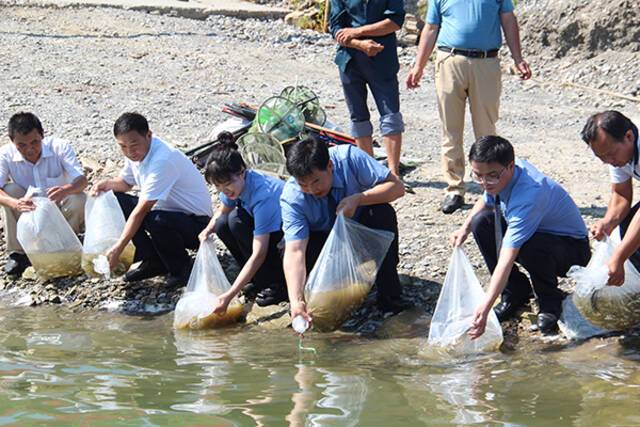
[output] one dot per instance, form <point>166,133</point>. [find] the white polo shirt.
<point>169,177</point>
<point>631,169</point>
<point>58,165</point>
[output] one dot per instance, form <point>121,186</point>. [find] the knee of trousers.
<point>391,124</point>
<point>76,202</point>
<point>482,220</point>
<point>221,226</point>
<point>361,129</point>
<point>14,190</point>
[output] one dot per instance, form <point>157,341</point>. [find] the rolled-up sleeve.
<point>395,11</point>
<point>433,13</point>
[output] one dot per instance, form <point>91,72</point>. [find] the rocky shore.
<point>78,69</point>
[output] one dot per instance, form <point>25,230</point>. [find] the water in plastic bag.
<point>104,223</point>
<point>344,272</point>
<point>48,240</point>
<point>195,308</point>
<point>461,294</point>
<point>609,307</point>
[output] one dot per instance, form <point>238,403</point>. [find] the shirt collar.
<point>338,181</point>
<point>46,151</point>
<point>505,194</point>
<point>152,146</point>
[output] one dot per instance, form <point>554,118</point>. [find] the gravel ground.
<point>78,69</point>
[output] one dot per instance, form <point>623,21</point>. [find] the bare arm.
<point>131,227</point>
<point>377,29</point>
<point>619,204</point>
<point>21,205</point>
<point>428,40</point>
<point>386,192</point>
<point>496,285</point>
<point>459,236</point>
<point>115,184</point>
<point>295,271</point>
<point>512,35</point>
<point>58,193</point>
<point>209,229</point>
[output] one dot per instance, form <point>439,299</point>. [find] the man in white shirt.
<point>613,138</point>
<point>172,208</point>
<point>50,166</point>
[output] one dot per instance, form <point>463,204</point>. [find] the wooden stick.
<point>587,88</point>
<point>325,19</point>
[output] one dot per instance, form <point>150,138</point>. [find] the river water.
<point>58,367</point>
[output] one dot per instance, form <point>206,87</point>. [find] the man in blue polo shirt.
<point>467,35</point>
<point>614,139</point>
<point>325,181</point>
<point>527,217</point>
<point>367,56</point>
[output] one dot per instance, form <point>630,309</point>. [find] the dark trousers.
<point>164,236</point>
<point>381,217</point>
<point>545,256</point>
<point>235,229</point>
<point>624,226</point>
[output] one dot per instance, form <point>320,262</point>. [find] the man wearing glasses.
<point>527,217</point>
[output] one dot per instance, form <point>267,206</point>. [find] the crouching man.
<point>172,208</point>
<point>48,164</point>
<point>527,217</point>
<point>325,181</point>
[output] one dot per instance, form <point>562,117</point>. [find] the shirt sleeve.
<point>157,184</point>
<point>127,173</point>
<point>367,170</point>
<point>266,216</point>
<point>620,174</point>
<point>226,201</point>
<point>4,169</point>
<point>434,16</point>
<point>395,11</point>
<point>522,222</point>
<point>294,222</point>
<point>338,17</point>
<point>69,160</point>
<point>506,6</point>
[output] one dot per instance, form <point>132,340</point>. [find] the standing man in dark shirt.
<point>367,56</point>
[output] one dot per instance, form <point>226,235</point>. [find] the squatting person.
<point>172,208</point>
<point>523,216</point>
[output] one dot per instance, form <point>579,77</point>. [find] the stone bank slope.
<point>593,43</point>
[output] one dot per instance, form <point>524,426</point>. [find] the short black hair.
<point>492,148</point>
<point>223,163</point>
<point>22,123</point>
<point>307,155</point>
<point>128,122</point>
<point>612,122</point>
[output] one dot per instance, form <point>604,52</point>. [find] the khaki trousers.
<point>72,208</point>
<point>458,78</point>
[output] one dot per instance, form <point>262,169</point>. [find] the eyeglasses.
<point>491,178</point>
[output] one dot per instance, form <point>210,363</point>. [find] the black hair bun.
<point>227,140</point>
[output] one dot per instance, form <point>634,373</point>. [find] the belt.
<point>470,53</point>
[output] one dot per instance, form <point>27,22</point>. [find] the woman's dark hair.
<point>489,149</point>
<point>131,122</point>
<point>223,163</point>
<point>612,122</point>
<point>23,123</point>
<point>307,155</point>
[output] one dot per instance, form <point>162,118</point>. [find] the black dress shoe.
<point>452,203</point>
<point>178,280</point>
<point>507,309</point>
<point>272,296</point>
<point>394,307</point>
<point>547,323</point>
<point>16,264</point>
<point>146,270</point>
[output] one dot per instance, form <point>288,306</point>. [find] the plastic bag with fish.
<point>195,308</point>
<point>344,272</point>
<point>104,222</point>
<point>609,307</point>
<point>48,240</point>
<point>461,294</point>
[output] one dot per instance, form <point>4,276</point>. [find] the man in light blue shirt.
<point>325,181</point>
<point>542,230</point>
<point>467,35</point>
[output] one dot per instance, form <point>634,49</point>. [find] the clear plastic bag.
<point>344,272</point>
<point>195,308</point>
<point>461,294</point>
<point>104,223</point>
<point>48,240</point>
<point>609,307</point>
